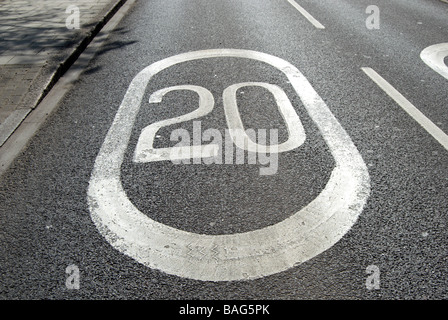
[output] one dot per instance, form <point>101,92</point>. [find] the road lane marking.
<point>249,255</point>
<point>307,15</point>
<point>434,56</point>
<point>407,106</point>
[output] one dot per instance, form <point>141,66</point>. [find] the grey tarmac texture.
<point>46,224</point>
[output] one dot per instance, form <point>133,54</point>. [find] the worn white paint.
<point>254,254</point>
<point>307,15</point>
<point>434,56</point>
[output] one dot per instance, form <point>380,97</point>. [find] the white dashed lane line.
<point>407,106</point>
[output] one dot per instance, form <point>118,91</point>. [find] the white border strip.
<point>418,116</point>
<point>306,14</point>
<point>226,257</point>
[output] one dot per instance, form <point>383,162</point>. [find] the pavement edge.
<point>60,83</point>
<point>56,68</point>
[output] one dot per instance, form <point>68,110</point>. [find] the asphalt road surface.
<point>349,202</point>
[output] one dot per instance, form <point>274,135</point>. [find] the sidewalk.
<point>37,47</point>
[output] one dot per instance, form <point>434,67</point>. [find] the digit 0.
<point>235,124</point>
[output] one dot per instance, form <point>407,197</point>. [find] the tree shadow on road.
<point>109,46</point>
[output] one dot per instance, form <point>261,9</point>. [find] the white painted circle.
<point>248,255</point>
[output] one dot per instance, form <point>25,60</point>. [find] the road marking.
<point>407,106</point>
<point>249,255</point>
<point>306,14</point>
<point>434,56</point>
<point>145,152</point>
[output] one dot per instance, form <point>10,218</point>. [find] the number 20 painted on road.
<point>248,255</point>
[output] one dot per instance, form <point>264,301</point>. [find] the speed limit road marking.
<point>249,255</point>
<point>145,152</point>
<point>308,16</point>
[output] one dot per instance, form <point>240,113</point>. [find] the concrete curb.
<point>53,71</point>
<point>20,138</point>
<point>76,52</point>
